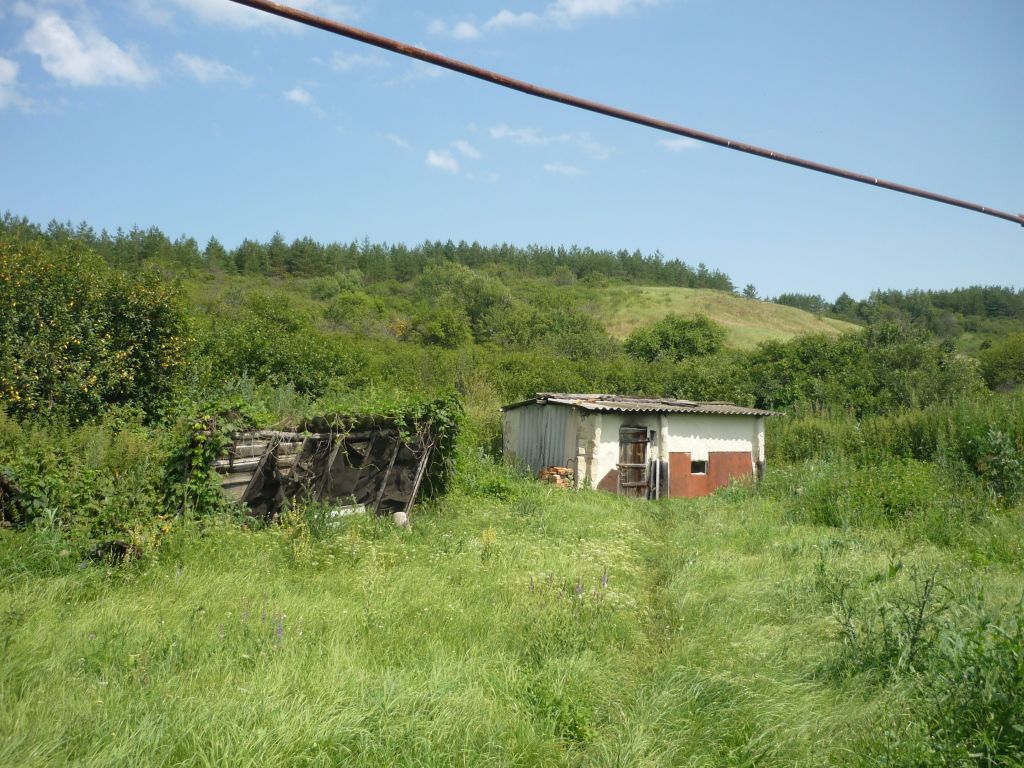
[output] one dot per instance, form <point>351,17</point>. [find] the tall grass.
<point>981,436</point>
<point>519,624</point>
<point>516,624</point>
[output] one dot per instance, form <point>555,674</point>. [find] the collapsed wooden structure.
<point>374,464</point>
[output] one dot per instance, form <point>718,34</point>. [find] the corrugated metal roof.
<point>595,402</point>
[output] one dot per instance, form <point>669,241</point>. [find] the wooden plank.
<point>420,471</point>
<point>247,450</point>
<point>387,474</point>
<point>241,465</point>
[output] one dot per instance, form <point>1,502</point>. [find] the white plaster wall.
<point>602,430</point>
<point>696,434</point>
<point>700,434</point>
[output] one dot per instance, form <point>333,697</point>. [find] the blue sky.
<point>206,118</point>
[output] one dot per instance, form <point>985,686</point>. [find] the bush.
<point>1002,364</point>
<point>440,326</point>
<point>675,337</point>
<point>894,637</point>
<point>77,337</point>
<point>273,339</point>
<point>958,663</point>
<point>880,370</point>
<point>96,486</point>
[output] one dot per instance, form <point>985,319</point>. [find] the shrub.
<point>355,311</point>
<point>77,337</point>
<point>880,370</point>
<point>675,337</point>
<point>440,326</point>
<point>1002,364</point>
<point>94,486</point>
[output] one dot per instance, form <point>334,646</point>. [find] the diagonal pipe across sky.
<point>395,46</point>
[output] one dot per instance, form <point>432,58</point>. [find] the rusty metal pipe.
<point>489,76</point>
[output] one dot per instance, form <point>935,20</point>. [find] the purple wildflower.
<point>578,589</point>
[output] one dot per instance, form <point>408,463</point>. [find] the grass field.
<point>514,625</point>
<point>748,322</point>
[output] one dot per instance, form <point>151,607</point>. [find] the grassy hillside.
<point>748,321</point>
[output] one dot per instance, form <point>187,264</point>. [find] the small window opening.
<point>698,467</point>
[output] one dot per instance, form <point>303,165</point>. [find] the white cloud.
<point>460,30</point>
<point>518,135</point>
<point>562,169</point>
<point>82,56</point>
<point>505,19</point>
<point>466,149</point>
<point>560,12</point>
<point>346,62</point>
<point>208,70</point>
<point>465,30</point>
<point>419,70</point>
<point>232,14</point>
<point>531,136</point>
<point>398,141</point>
<point>299,96</point>
<point>304,98</point>
<point>9,94</point>
<point>679,144</point>
<point>153,11</point>
<point>565,11</point>
<point>443,160</point>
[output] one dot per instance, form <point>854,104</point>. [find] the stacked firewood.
<point>560,476</point>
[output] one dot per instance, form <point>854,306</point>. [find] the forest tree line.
<point>305,257</point>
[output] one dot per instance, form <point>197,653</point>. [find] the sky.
<point>206,118</point>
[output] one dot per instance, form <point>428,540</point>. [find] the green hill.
<point>748,321</point>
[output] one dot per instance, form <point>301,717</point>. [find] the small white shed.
<point>636,446</point>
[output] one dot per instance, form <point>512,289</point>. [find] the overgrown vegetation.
<point>77,337</point>
<point>862,606</point>
<point>975,317</point>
